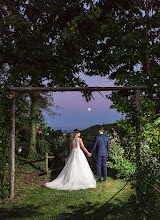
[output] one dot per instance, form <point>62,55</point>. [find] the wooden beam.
<point>65,89</point>
<point>12,149</point>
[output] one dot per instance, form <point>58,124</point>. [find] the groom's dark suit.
<point>102,145</point>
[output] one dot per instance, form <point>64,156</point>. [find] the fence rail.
<point>47,157</point>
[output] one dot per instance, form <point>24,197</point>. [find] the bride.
<point>77,173</point>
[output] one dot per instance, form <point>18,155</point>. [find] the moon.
<point>89,109</point>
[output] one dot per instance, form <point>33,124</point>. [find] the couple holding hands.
<point>77,173</point>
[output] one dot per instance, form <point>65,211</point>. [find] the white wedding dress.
<point>76,174</point>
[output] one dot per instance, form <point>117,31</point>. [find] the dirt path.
<point>30,178</point>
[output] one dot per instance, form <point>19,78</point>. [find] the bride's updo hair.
<point>75,131</point>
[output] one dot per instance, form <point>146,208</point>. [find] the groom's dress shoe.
<point>99,181</point>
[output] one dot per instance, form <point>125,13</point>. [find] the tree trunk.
<point>33,125</point>
<point>146,27</point>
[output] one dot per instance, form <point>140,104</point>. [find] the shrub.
<point>117,159</point>
<point>151,135</point>
<point>147,175</point>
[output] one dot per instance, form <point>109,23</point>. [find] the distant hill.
<point>92,131</point>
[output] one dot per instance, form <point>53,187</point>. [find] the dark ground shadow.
<point>88,211</point>
<point>109,211</point>
<point>21,212</point>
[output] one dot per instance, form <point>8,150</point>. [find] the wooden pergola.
<point>13,90</point>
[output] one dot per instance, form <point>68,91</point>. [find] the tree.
<point>119,39</point>
<point>28,37</point>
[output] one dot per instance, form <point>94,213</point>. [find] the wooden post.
<point>138,126</point>
<point>46,162</point>
<point>137,141</point>
<point>12,149</point>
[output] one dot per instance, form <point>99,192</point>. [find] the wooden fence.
<point>46,161</point>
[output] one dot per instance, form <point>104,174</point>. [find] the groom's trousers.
<point>102,162</point>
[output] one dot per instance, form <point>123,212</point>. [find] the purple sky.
<point>74,109</point>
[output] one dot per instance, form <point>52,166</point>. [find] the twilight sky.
<point>74,111</point>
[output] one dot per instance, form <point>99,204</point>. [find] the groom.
<point>102,145</point>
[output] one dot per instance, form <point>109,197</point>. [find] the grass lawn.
<point>35,202</point>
